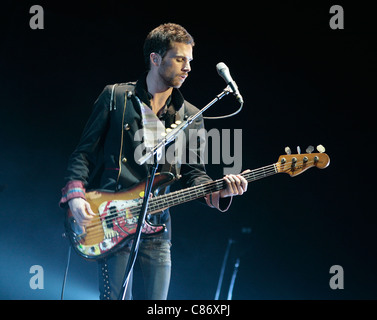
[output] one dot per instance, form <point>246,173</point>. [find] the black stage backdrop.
<point>303,84</point>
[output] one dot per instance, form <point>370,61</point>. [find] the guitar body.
<point>116,220</point>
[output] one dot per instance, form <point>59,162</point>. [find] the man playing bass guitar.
<point>104,158</point>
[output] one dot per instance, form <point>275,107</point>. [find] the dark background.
<point>303,83</point>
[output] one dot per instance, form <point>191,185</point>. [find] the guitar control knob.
<point>321,148</point>
<point>287,150</point>
<point>309,149</point>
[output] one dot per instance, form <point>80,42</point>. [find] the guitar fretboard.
<point>177,197</point>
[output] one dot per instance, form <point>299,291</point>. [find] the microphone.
<point>224,73</point>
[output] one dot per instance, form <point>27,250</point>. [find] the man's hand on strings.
<point>81,211</point>
<point>236,185</point>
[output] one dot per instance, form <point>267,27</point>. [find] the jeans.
<point>155,262</point>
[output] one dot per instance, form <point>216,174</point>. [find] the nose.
<point>186,66</point>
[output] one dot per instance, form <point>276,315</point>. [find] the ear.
<point>155,59</point>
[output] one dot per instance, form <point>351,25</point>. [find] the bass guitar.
<point>117,213</point>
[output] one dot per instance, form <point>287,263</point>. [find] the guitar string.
<point>211,186</point>
<point>171,197</point>
<point>217,184</point>
<point>206,188</point>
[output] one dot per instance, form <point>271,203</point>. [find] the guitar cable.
<point>225,116</point>
<point>66,272</point>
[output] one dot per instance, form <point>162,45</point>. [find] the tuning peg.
<point>321,148</point>
<point>309,149</point>
<point>298,150</point>
<point>287,150</point>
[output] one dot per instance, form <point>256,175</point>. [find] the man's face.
<point>175,66</point>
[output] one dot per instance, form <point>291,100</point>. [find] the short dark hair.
<point>160,40</point>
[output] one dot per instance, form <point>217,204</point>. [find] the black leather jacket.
<point>104,157</point>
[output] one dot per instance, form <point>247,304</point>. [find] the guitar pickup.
<point>111,216</point>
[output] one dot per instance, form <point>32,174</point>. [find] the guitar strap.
<point>121,138</point>
<point>112,101</point>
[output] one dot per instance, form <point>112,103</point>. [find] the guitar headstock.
<point>294,164</point>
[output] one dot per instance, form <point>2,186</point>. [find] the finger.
<point>86,217</point>
<point>244,183</point>
<point>237,187</point>
<point>89,209</point>
<point>82,217</point>
<point>229,188</point>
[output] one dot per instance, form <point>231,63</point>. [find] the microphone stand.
<point>231,286</point>
<point>174,133</point>
<point>222,271</point>
<point>156,153</point>
<point>140,224</point>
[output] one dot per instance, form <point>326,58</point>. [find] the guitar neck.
<point>171,199</point>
